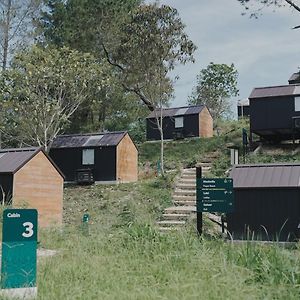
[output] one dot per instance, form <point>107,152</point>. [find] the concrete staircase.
<point>184,199</point>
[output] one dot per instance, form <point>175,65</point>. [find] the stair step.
<point>165,229</point>
<point>204,164</point>
<point>188,177</point>
<point>175,216</point>
<point>186,186</point>
<point>170,223</point>
<point>181,192</point>
<point>184,198</point>
<point>185,202</point>
<point>180,209</point>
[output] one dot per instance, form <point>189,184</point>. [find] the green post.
<point>85,224</point>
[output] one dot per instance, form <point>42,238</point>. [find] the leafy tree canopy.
<point>215,85</point>
<point>150,42</point>
<point>45,87</point>
<point>83,24</point>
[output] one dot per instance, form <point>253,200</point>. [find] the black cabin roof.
<point>275,91</point>
<point>177,111</point>
<point>266,175</point>
<point>104,139</point>
<point>12,160</point>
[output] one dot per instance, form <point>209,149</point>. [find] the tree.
<point>254,12</point>
<point>16,25</point>
<point>83,25</point>
<point>45,87</point>
<point>149,44</point>
<point>215,85</point>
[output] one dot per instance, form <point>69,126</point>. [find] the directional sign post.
<point>215,195</point>
<point>19,247</point>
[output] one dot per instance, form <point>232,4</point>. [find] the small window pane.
<point>297,103</point>
<point>88,156</point>
<point>179,122</point>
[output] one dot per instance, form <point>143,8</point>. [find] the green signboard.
<point>215,195</point>
<point>19,246</point>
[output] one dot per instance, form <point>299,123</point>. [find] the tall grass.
<point>137,262</point>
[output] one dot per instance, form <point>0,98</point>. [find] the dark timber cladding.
<point>275,112</point>
<point>267,202</point>
<point>97,153</point>
<point>181,122</point>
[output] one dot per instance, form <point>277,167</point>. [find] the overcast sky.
<point>265,51</point>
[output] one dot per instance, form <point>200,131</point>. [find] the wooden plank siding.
<point>39,185</point>
<point>127,160</point>
<point>205,123</point>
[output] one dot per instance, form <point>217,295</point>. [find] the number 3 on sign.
<point>28,229</point>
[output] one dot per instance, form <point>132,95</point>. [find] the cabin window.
<point>297,103</point>
<point>178,122</point>
<point>88,156</point>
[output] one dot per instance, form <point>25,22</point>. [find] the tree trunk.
<point>162,170</point>
<point>160,128</point>
<point>6,35</point>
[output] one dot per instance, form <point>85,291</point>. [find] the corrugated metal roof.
<point>11,160</point>
<point>177,111</point>
<point>275,91</point>
<point>266,175</point>
<point>88,140</point>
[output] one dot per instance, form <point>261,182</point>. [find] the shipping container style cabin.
<point>275,112</point>
<point>243,108</point>
<point>30,179</point>
<point>267,202</point>
<point>181,122</point>
<point>108,157</point>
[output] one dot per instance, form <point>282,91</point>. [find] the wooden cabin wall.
<point>127,160</point>
<point>38,185</point>
<point>205,123</point>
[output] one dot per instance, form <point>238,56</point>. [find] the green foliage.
<point>83,24</point>
<point>215,85</point>
<point>45,87</point>
<point>150,42</point>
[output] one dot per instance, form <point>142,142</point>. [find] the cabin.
<point>30,179</point>
<point>180,122</point>
<point>109,157</point>
<point>275,112</point>
<point>243,108</point>
<point>266,202</point>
